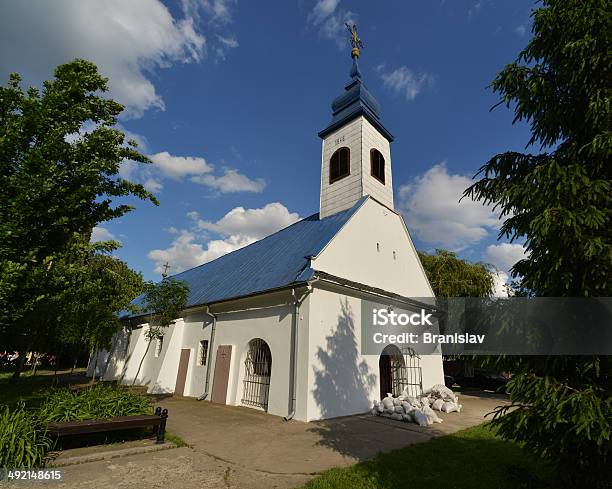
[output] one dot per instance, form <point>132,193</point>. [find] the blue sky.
<point>227,98</point>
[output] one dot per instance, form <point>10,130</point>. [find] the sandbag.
<point>407,418</point>
<point>449,407</point>
<point>397,402</point>
<point>419,417</point>
<point>411,399</point>
<point>440,391</point>
<point>397,417</point>
<point>380,408</point>
<point>432,417</point>
<point>399,409</point>
<point>388,402</point>
<point>437,404</point>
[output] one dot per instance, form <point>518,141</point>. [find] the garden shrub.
<point>23,438</point>
<point>99,402</point>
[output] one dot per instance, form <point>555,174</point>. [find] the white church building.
<point>276,325</point>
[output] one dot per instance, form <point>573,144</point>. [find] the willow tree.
<point>557,199</point>
<point>450,276</point>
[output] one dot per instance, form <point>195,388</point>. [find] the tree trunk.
<point>93,375</point>
<point>55,380</point>
<point>141,361</point>
<point>34,363</point>
<point>18,367</point>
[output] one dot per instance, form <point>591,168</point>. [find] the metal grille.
<point>257,369</point>
<point>405,371</point>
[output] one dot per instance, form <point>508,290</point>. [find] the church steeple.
<point>356,146</point>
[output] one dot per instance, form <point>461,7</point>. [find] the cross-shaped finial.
<point>165,272</point>
<point>355,41</point>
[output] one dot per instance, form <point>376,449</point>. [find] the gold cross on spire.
<point>355,41</point>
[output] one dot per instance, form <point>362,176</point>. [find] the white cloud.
<point>152,185</point>
<point>521,30</point>
<point>128,40</point>
<point>255,223</point>
<point>236,229</point>
<point>500,284</point>
<point>231,181</point>
<point>177,167</point>
<point>504,255</point>
<point>330,20</point>
<point>101,234</point>
<point>403,81</point>
<point>228,42</point>
<point>194,168</point>
<point>430,204</point>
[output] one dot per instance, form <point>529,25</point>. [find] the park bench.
<point>157,421</point>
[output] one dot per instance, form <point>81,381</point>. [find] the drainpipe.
<point>292,389</point>
<point>210,353</point>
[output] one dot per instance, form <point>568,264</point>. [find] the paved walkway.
<point>243,448</point>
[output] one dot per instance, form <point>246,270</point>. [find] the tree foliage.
<point>88,307</point>
<point>164,302</point>
<point>60,155</point>
<point>558,201</point>
<point>451,276</point>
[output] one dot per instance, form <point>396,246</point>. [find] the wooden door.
<point>221,378</point>
<point>181,376</point>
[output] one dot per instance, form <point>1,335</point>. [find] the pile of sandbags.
<point>419,410</point>
<point>441,398</point>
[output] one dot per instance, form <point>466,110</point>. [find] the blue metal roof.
<point>278,260</point>
<point>355,101</point>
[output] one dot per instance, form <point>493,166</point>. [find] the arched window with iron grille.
<point>399,370</point>
<point>257,373</point>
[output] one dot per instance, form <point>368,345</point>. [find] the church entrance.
<point>398,371</point>
<point>257,373</point>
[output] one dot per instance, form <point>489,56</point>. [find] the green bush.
<point>99,402</point>
<point>23,439</point>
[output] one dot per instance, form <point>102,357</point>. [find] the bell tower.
<point>356,156</point>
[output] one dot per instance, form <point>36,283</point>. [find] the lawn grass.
<point>31,389</point>
<point>473,458</point>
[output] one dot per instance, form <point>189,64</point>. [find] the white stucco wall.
<point>342,381</point>
<point>353,253</point>
<point>273,325</point>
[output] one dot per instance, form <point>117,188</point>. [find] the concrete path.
<point>243,448</point>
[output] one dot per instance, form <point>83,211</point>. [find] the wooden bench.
<point>157,421</point>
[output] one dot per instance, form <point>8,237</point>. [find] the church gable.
<point>375,249</point>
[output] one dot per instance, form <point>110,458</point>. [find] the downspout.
<point>210,353</point>
<point>292,389</point>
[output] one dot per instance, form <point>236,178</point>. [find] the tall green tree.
<point>164,302</point>
<point>88,309</point>
<point>450,276</point>
<point>57,181</point>
<point>558,200</point>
